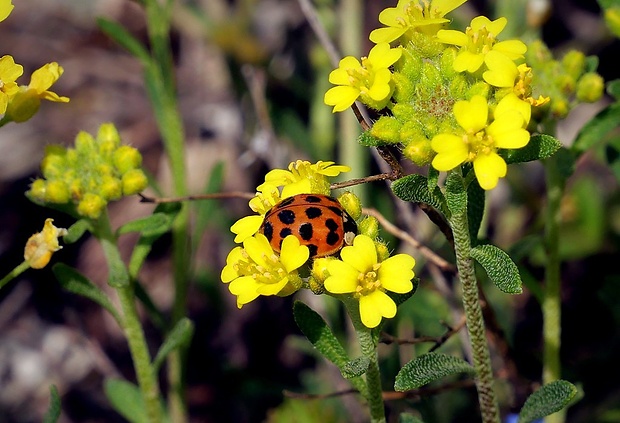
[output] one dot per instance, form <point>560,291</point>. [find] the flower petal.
<point>362,255</point>
<point>341,97</point>
<point>489,168</point>
<point>342,279</point>
<point>472,115</point>
<point>450,36</point>
<point>293,255</point>
<point>396,272</point>
<point>374,306</point>
<point>452,151</point>
<point>246,227</point>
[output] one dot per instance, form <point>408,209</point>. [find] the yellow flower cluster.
<point>362,270</point>
<point>18,103</point>
<point>88,176</point>
<point>447,97</point>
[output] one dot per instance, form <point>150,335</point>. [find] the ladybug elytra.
<point>317,221</point>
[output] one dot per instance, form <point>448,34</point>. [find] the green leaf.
<point>547,400</point>
<point>321,336</point>
<point>118,276</point>
<point>155,224</point>
<point>429,367</point>
<point>476,198</point>
<point>126,398</point>
<point>597,128</point>
<point>179,336</point>
<point>499,267</point>
<point>123,38</point>
<point>53,412</point>
<point>73,281</point>
<point>540,147</point>
<point>408,418</point>
<point>77,230</point>
<point>456,196</point>
<point>355,367</point>
<point>613,88</point>
<point>414,188</point>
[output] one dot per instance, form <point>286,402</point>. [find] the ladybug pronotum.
<point>318,221</point>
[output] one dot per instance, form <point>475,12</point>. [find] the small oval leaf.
<point>126,398</point>
<point>547,400</point>
<point>429,367</point>
<point>155,224</point>
<point>414,188</point>
<point>499,267</point>
<point>356,367</point>
<point>540,147</point>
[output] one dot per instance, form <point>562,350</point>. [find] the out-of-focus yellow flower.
<point>361,273</point>
<point>479,39</point>
<point>369,80</point>
<point>9,72</point>
<point>26,102</point>
<point>42,245</point>
<point>425,16</point>
<point>257,270</point>
<point>6,7</point>
<point>479,141</point>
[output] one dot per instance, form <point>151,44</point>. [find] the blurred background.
<point>251,77</point>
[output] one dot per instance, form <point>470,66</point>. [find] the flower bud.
<point>84,143</point>
<point>38,188</point>
<point>351,203</point>
<point>386,129</point>
<point>42,245</point>
<point>91,205</point>
<point>318,274</point>
<point>419,151</point>
<point>590,87</point>
<point>369,226</point>
<point>383,252</point>
<point>612,19</point>
<point>134,181</point>
<point>127,158</point>
<point>57,192</point>
<point>574,63</point>
<point>111,188</point>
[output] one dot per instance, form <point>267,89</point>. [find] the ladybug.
<point>317,221</point>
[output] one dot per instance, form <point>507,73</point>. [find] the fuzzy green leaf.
<point>414,188</point>
<point>179,336</point>
<point>76,231</point>
<point>540,147</point>
<point>429,367</point>
<point>499,267</point>
<point>123,38</point>
<point>613,88</point>
<point>456,196</point>
<point>155,224</point>
<point>53,411</point>
<point>597,128</point>
<point>126,398</point>
<point>408,418</point>
<point>356,367</point>
<point>73,281</point>
<point>321,336</point>
<point>547,400</point>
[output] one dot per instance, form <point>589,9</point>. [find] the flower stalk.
<point>475,323</point>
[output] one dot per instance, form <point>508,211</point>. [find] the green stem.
<point>551,306</point>
<point>368,345</point>
<point>119,279</point>
<point>21,268</point>
<point>475,323</point>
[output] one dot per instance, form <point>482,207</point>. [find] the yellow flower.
<point>9,72</point>
<point>479,39</point>
<point>479,141</point>
<point>257,270</point>
<point>424,16</point>
<point>42,245</point>
<point>361,274</point>
<point>268,196</point>
<point>5,9</point>
<point>370,80</point>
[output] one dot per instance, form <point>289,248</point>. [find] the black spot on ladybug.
<point>313,249</point>
<point>286,216</point>
<point>313,212</point>
<point>268,230</point>
<point>305,231</point>
<point>332,238</point>
<point>331,224</point>
<point>284,232</point>
<point>313,199</point>
<point>335,209</point>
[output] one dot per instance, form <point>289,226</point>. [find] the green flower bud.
<point>53,165</point>
<point>559,108</point>
<point>574,63</point>
<point>404,87</point>
<point>24,105</point>
<point>38,188</point>
<point>419,151</point>
<point>404,112</point>
<point>84,143</point>
<point>57,192</point>
<point>91,206</point>
<point>127,158</point>
<point>590,87</point>
<point>111,188</point>
<point>538,54</point>
<point>386,129</point>
<point>134,181</point>
<point>383,252</point>
<point>369,226</point>
<point>566,84</point>
<point>351,203</point>
<point>612,19</point>
<point>479,88</point>
<point>318,274</point>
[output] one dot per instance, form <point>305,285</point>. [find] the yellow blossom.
<point>479,141</point>
<point>42,245</point>
<point>424,16</point>
<point>478,40</point>
<point>267,196</point>
<point>361,274</point>
<point>9,72</point>
<point>6,7</point>
<point>369,80</point>
<point>257,270</point>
